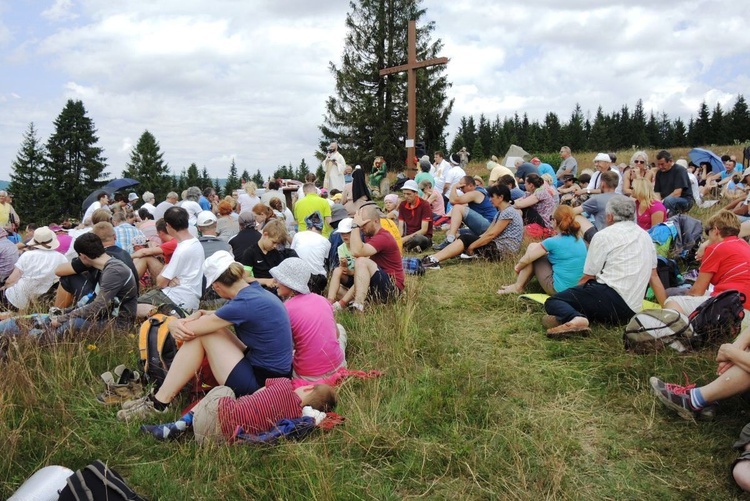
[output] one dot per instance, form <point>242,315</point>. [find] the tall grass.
<point>474,403</point>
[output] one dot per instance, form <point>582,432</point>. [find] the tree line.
<point>50,180</point>
<point>617,130</point>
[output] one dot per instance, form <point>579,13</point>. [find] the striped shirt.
<point>260,411</point>
<point>622,256</point>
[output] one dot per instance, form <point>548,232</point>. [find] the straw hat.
<point>44,239</point>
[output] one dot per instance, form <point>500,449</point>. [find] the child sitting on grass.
<point>342,278</point>
<point>219,414</point>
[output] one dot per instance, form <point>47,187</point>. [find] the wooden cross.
<point>411,67</point>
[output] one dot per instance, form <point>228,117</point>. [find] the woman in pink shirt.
<point>649,210</point>
<point>319,343</point>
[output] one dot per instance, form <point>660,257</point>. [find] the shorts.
<point>382,288</point>
<point>688,304</point>
<point>489,251</point>
<point>206,424</point>
<point>246,378</point>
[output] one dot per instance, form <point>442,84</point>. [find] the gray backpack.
<point>651,330</point>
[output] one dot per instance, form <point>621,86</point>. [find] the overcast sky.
<point>219,79</point>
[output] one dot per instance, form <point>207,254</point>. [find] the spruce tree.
<point>700,132</point>
<point>193,177</point>
<point>367,115</point>
<point>24,178</point>
<point>258,179</point>
<point>718,126</point>
<point>599,138</point>
<point>74,165</point>
<point>233,182</point>
<point>147,166</point>
<point>320,173</point>
<point>302,171</point>
<point>245,177</point>
<point>739,121</point>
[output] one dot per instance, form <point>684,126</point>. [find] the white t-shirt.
<point>161,209</point>
<point>149,207</point>
<point>38,267</point>
<point>247,202</point>
<point>193,209</point>
<point>187,265</point>
<point>91,209</point>
<point>313,249</point>
<point>452,177</point>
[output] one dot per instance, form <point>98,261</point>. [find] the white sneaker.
<point>466,256</point>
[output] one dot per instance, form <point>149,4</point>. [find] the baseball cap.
<point>205,218</point>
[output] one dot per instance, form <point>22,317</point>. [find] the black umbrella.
<point>110,189</point>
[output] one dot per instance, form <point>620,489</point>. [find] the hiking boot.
<point>140,408</point>
<point>430,262</point>
<point>676,397</point>
<point>549,321</point>
<point>121,385</point>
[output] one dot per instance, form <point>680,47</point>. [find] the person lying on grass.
<point>620,263</point>
<point>260,349</point>
<point>216,418</point>
<point>557,262</point>
<point>691,402</point>
<point>502,238</point>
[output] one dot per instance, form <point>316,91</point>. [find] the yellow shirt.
<point>4,213</point>
<point>306,206</point>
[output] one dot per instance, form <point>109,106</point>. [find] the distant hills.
<point>4,185</point>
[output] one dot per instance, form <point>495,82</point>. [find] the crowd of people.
<point>278,268</point>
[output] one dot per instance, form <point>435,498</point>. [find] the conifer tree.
<point>739,121</point>
<point>74,165</point>
<point>24,178</point>
<point>233,182</point>
<point>147,166</point>
<point>193,177</point>
<point>367,115</point>
<point>258,179</point>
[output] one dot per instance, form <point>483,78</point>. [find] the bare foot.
<point>509,289</point>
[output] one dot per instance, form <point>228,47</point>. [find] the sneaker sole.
<point>684,413</point>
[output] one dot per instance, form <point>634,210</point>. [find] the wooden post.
<point>411,67</point>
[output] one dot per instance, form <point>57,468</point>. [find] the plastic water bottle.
<point>85,299</point>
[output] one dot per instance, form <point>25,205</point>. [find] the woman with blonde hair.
<point>248,199</point>
<point>649,210</point>
<point>637,169</point>
<point>557,262</point>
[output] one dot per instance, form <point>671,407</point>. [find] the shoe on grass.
<point>121,385</point>
<point>676,397</point>
<point>442,245</point>
<point>140,408</point>
<point>429,262</point>
<point>568,330</point>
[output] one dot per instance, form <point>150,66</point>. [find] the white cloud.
<point>59,11</point>
<point>248,80</point>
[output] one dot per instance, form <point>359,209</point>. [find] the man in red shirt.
<point>378,269</point>
<point>414,219</point>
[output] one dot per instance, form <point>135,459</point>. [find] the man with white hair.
<point>620,263</point>
<point>170,201</point>
<point>7,212</point>
<point>569,165</point>
<point>148,202</point>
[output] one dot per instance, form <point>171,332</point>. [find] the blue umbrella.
<point>699,156</point>
<point>110,189</point>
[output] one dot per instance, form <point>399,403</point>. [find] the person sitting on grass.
<point>114,303</point>
<point>649,211</point>
<point>595,207</point>
<point>312,247</point>
<point>414,219</point>
<point>538,204</point>
<point>342,277</point>
<point>261,348</point>
<point>378,268</point>
<point>502,238</point>
<point>153,258</point>
<point>472,208</point>
<point>390,206</point>
<point>510,182</point>
<point>434,199</point>
<point>34,273</point>
<point>180,282</point>
<point>216,418</point>
<point>568,189</point>
<point>620,263</point>
<point>268,252</point>
<point>557,262</point>
<point>691,402</point>
<point>319,343</point>
<point>725,265</point>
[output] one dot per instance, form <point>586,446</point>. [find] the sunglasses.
<point>639,161</point>
<point>707,231</point>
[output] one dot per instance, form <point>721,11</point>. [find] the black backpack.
<point>718,319</point>
<point>96,482</point>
